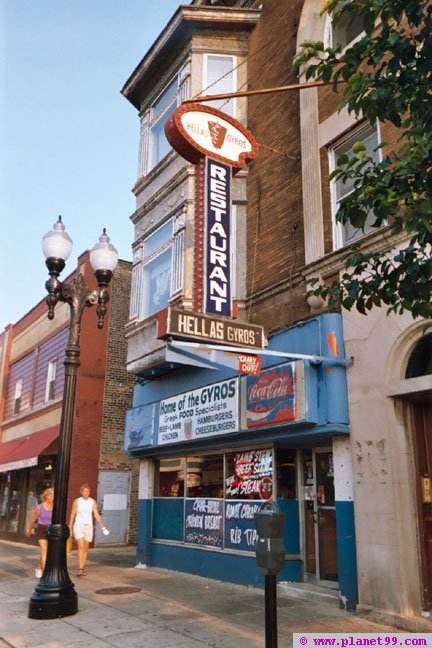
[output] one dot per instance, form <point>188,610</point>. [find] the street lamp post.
<point>55,595</point>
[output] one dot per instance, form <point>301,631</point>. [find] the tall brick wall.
<point>275,239</point>
<point>89,396</point>
<point>118,390</point>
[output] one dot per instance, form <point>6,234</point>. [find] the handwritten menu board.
<point>250,475</point>
<point>204,522</point>
<point>240,531</point>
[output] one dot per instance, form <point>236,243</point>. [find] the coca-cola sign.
<point>197,131</point>
<point>276,396</point>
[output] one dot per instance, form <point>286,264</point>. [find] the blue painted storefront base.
<point>347,561</point>
<point>221,565</point>
<point>242,569</point>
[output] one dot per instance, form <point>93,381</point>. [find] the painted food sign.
<point>196,131</point>
<point>204,522</point>
<point>200,413</point>
<point>139,427</point>
<point>276,396</point>
<point>240,531</point>
<point>251,475</point>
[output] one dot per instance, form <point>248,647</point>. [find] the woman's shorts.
<point>41,530</point>
<point>83,531</point>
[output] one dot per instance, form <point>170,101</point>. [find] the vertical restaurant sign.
<point>200,413</point>
<point>218,216</point>
<point>251,475</point>
<point>277,396</point>
<point>204,522</point>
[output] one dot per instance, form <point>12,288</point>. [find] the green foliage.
<point>385,75</point>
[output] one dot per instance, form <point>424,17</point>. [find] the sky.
<point>68,138</point>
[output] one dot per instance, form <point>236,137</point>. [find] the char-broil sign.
<point>197,131</point>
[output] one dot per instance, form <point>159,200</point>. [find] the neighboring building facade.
<point>32,381</point>
<point>390,380</point>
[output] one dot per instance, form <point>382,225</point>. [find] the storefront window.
<point>15,502</point>
<point>205,476</point>
<point>286,473</point>
<point>169,478</point>
<point>249,475</point>
<point>40,479</point>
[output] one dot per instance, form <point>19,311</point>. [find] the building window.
<point>345,32</point>
<point>220,79</point>
<point>51,378</point>
<point>420,362</point>
<point>345,233</point>
<point>205,476</point>
<point>158,269</point>
<point>17,398</point>
<point>161,110</point>
<point>169,477</point>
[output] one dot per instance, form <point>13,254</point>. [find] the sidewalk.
<point>164,610</point>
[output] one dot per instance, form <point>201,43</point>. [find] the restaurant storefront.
<point>215,444</point>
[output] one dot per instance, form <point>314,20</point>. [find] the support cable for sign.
<point>251,93</point>
<point>296,158</point>
<point>180,344</point>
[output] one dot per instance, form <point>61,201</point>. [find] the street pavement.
<point>166,609</point>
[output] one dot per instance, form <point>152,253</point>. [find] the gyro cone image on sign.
<point>197,131</point>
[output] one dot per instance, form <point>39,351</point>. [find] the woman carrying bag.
<point>81,522</point>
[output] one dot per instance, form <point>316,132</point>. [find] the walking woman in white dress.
<point>81,522</point>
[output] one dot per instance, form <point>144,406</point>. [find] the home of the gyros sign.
<point>198,132</point>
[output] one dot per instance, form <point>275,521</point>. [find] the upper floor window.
<point>161,110</point>
<point>154,146</point>
<point>345,31</point>
<point>158,269</point>
<point>17,397</point>
<point>220,79</point>
<point>345,233</point>
<point>50,381</point>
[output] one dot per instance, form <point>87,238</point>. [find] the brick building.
<point>32,379</point>
<point>347,462</point>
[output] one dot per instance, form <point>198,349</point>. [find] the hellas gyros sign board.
<point>196,131</point>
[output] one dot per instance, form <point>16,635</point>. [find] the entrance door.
<point>320,517</point>
<point>113,504</point>
<point>422,418</point>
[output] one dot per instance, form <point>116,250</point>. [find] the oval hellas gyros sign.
<point>195,131</point>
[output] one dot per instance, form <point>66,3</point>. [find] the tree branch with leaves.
<point>385,75</point>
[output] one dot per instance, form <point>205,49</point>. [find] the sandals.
<point>81,572</point>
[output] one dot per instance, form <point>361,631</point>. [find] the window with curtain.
<point>345,233</point>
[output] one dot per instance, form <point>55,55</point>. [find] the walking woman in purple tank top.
<point>42,515</point>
